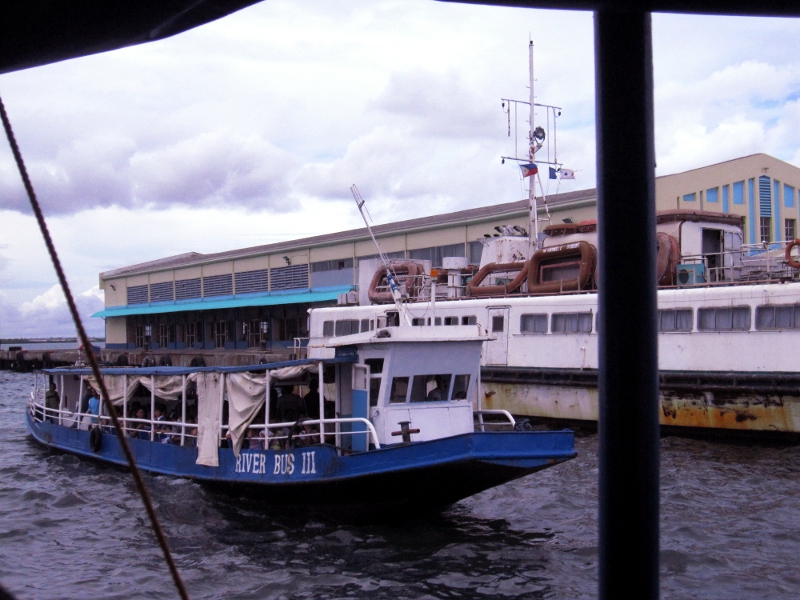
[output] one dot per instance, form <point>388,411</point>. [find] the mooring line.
<point>73,309</point>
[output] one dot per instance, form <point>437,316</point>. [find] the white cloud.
<point>251,129</point>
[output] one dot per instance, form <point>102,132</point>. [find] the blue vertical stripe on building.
<point>776,189</point>
<point>752,201</point>
<point>725,198</point>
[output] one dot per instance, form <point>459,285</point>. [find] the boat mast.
<point>391,276</point>
<point>534,213</point>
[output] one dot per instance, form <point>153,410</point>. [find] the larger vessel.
<point>728,318</point>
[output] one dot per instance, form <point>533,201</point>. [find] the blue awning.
<point>275,299</point>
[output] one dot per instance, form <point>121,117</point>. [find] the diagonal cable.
<point>137,476</point>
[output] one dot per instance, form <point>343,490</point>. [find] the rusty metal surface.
<point>758,404</point>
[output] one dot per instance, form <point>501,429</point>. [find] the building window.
<point>164,335</point>
<point>289,278</point>
<point>766,229</point>
<point>778,317</point>
<point>789,230</point>
<point>220,333</point>
<point>162,292</point>
<point>788,196</point>
<point>249,282</point>
<point>735,318</point>
<point>191,335</point>
<point>675,319</point>
<point>712,195</point>
<point>535,323</point>
<point>571,322</point>
<point>475,252</point>
<point>218,285</point>
<point>689,197</point>
<point>187,288</point>
<point>332,265</point>
<point>137,294</point>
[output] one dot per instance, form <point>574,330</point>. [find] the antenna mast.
<point>391,277</point>
<point>532,207</point>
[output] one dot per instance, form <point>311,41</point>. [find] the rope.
<point>137,476</point>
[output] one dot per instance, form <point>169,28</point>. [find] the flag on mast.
<point>529,169</point>
<point>553,173</point>
<point>567,173</point>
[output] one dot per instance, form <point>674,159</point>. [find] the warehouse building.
<point>259,297</point>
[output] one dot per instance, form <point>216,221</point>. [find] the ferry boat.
<point>393,424</point>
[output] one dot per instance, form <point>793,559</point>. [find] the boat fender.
<point>788,255</point>
<point>668,256</point>
<point>411,270</point>
<point>523,425</point>
<point>95,439</point>
<point>474,287</point>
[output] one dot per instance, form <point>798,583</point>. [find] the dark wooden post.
<point>628,380</point>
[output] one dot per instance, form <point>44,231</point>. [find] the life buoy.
<point>409,269</point>
<point>668,256</point>
<point>95,439</point>
<point>584,253</point>
<point>475,289</point>
<point>788,255</point>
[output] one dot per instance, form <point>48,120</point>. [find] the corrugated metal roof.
<point>472,215</point>
<point>297,297</point>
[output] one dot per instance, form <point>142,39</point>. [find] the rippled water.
<point>71,528</point>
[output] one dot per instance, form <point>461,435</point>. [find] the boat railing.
<point>503,413</point>
<point>299,348</point>
<point>281,434</point>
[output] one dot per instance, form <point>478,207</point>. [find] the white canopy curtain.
<point>168,387</point>
<point>247,394</point>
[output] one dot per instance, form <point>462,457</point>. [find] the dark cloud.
<point>47,315</point>
<point>207,170</point>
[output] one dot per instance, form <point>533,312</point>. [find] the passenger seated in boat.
<point>190,439</point>
<point>290,405</point>
<point>311,400</point>
<point>139,430</point>
<point>51,401</point>
<point>439,392</point>
<point>163,432</point>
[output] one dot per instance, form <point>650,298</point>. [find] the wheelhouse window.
<point>571,322</point>
<point>327,329</point>
<point>430,388</point>
<point>735,318</point>
<point>778,317</point>
<point>418,321</point>
<point>375,375</point>
<point>460,387</point>
<point>399,390</point>
<point>675,319</point>
<point>469,320</point>
<point>533,323</point>
<point>451,320</point>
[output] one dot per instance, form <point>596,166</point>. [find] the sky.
<point>251,130</point>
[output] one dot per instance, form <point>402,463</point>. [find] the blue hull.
<point>417,477</point>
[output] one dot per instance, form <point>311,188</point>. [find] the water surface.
<point>72,528</point>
